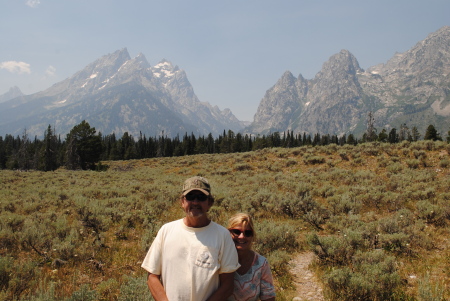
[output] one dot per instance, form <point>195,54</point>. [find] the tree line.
<point>84,148</point>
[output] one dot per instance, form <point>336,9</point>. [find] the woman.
<point>253,280</point>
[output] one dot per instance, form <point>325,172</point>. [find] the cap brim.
<point>202,190</point>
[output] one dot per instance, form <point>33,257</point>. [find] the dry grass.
<point>100,224</point>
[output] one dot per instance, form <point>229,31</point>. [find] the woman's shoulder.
<point>259,256</point>
<point>259,259</point>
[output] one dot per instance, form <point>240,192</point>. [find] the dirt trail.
<point>308,288</point>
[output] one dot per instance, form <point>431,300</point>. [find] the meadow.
<point>376,215</point>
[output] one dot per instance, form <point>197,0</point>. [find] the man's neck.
<point>196,222</point>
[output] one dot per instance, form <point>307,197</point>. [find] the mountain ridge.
<point>411,88</point>
<point>118,94</point>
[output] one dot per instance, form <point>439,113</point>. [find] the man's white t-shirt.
<point>189,260</point>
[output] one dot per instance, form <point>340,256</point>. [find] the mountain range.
<point>118,94</point>
<point>412,89</point>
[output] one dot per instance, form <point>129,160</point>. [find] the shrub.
<point>313,160</point>
<point>444,163</point>
<point>272,236</point>
<point>370,150</point>
<point>6,264</point>
<point>431,291</point>
<point>83,294</point>
<point>24,276</point>
<point>413,163</point>
<point>383,162</point>
<point>242,167</point>
<point>357,161</point>
<point>373,277</point>
<point>334,250</point>
<point>134,289</point>
<point>43,293</point>
<point>432,214</point>
<point>291,163</point>
<point>395,168</point>
<point>304,207</point>
<point>326,191</point>
<point>405,152</point>
<point>278,261</point>
<point>343,155</point>
<point>344,203</point>
<point>418,154</point>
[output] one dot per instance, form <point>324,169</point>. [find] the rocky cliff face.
<point>117,93</point>
<point>412,88</point>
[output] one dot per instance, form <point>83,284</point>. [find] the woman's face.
<point>242,237</point>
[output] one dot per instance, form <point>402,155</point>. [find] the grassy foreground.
<point>376,215</point>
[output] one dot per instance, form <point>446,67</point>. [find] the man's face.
<point>196,204</point>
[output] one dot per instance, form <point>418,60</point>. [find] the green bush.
<point>444,163</point>
<point>431,290</point>
<point>344,204</point>
<point>413,163</point>
<point>334,250</point>
<point>313,160</point>
<point>43,293</point>
<point>23,276</point>
<point>83,294</point>
<point>6,265</point>
<point>373,276</point>
<point>278,261</point>
<point>432,214</point>
<point>395,168</point>
<point>134,289</point>
<point>304,207</point>
<point>275,236</point>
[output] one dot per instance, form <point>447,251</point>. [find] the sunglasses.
<point>237,232</point>
<point>199,196</point>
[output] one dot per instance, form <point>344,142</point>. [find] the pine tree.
<point>23,155</point>
<point>84,146</point>
<point>371,132</point>
<point>393,137</point>
<point>383,136</point>
<point>431,133</point>
<point>404,132</point>
<point>415,135</point>
<point>49,150</point>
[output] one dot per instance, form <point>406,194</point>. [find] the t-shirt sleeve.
<point>229,259</point>
<point>267,288</point>
<point>153,260</point>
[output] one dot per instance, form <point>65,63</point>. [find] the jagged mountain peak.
<point>411,88</point>
<point>165,69</point>
<point>287,78</point>
<point>429,56</point>
<point>13,92</point>
<point>111,61</point>
<point>116,93</point>
<point>138,63</point>
<point>340,63</point>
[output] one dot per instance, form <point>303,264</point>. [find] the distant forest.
<point>84,148</point>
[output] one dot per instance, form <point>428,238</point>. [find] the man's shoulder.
<point>173,224</point>
<point>218,227</point>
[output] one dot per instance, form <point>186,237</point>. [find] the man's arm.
<point>225,289</point>
<point>156,287</point>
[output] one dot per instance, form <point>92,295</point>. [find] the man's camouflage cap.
<point>196,183</point>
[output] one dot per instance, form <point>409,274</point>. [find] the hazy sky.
<point>232,51</point>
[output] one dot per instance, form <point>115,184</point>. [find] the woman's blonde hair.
<point>241,219</point>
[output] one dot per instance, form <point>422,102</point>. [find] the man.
<point>192,258</point>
